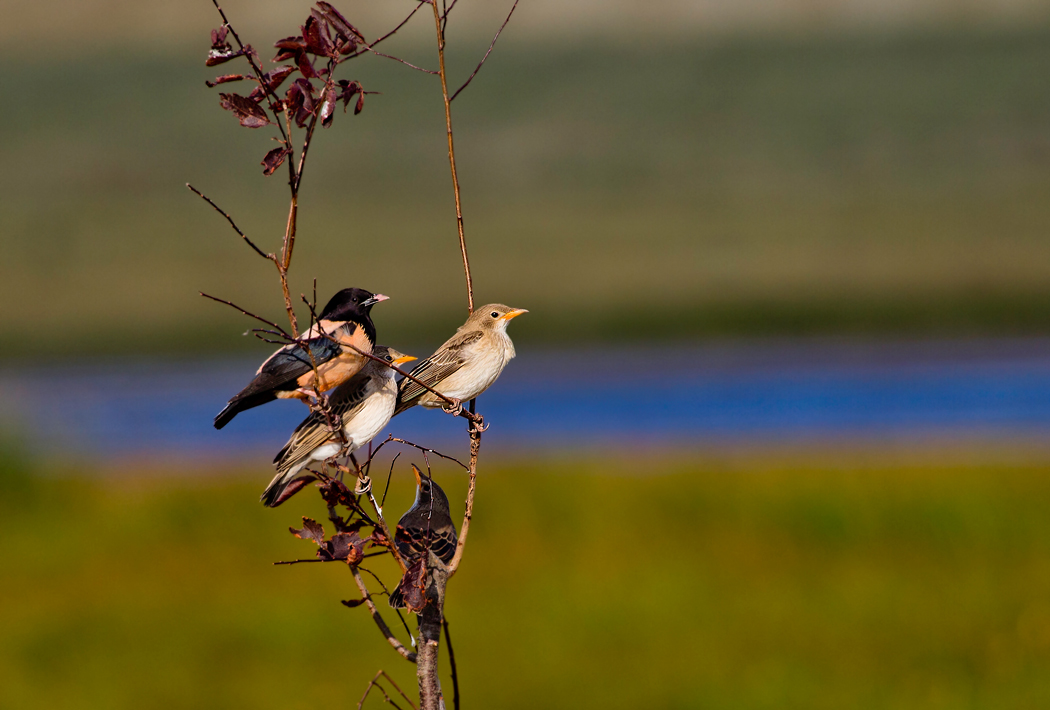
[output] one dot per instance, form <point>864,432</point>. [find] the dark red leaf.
<point>311,530</point>
<point>340,24</point>
<point>221,56</point>
<point>292,43</point>
<point>270,162</point>
<point>249,113</point>
<point>360,104</point>
<point>218,38</point>
<point>352,602</point>
<point>283,55</point>
<point>272,80</point>
<point>225,78</point>
<point>305,66</point>
<point>292,488</point>
<point>343,546</point>
<point>347,46</point>
<point>412,586</point>
<point>327,114</point>
<point>316,35</point>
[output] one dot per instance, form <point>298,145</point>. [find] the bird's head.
<point>389,355</point>
<point>494,316</point>
<point>428,490</point>
<point>351,303</point>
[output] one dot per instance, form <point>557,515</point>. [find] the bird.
<point>427,525</point>
<point>467,364</point>
<point>363,405</point>
<point>289,372</point>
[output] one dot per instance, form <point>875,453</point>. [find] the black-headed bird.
<point>467,364</point>
<point>289,372</point>
<point>362,405</point>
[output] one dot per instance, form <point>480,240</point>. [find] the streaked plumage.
<point>363,405</point>
<point>467,364</point>
<point>427,525</point>
<point>290,370</point>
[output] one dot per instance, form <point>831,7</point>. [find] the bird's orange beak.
<point>405,358</point>
<point>513,314</point>
<point>419,476</point>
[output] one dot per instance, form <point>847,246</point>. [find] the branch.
<point>478,67</point>
<point>451,655</point>
<point>452,154</point>
<point>383,628</point>
<point>252,315</point>
<point>260,252</point>
<point>468,512</point>
<point>374,684</point>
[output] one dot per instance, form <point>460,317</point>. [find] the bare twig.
<point>478,67</point>
<point>260,252</point>
<point>251,315</point>
<point>374,683</point>
<point>399,59</point>
<point>409,656</point>
<point>452,154</point>
<point>468,513</point>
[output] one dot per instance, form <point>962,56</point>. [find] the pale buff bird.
<point>467,364</point>
<point>364,405</point>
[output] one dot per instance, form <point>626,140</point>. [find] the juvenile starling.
<point>363,405</point>
<point>467,364</point>
<point>427,525</point>
<point>289,372</point>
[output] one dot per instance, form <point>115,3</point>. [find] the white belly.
<point>371,418</point>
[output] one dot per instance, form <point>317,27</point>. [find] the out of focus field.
<point>707,186</point>
<point>712,583</point>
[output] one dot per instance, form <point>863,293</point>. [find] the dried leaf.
<point>218,37</point>
<point>327,114</point>
<point>340,24</point>
<point>305,66</point>
<point>311,530</point>
<point>315,34</point>
<point>225,78</point>
<point>343,546</point>
<point>221,56</point>
<point>353,602</point>
<point>412,586</point>
<point>249,113</point>
<point>360,104</point>
<point>273,160</point>
<point>292,43</point>
<point>295,486</point>
<point>272,81</point>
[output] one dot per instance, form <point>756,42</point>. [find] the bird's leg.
<point>306,394</point>
<point>455,409</point>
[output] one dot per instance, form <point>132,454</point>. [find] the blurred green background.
<point>657,173</point>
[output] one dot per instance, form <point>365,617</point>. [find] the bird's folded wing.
<point>292,362</point>
<point>346,400</point>
<point>412,542</point>
<point>449,358</point>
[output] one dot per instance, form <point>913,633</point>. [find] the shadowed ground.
<point>695,583</point>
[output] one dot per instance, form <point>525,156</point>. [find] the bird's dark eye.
<point>389,359</point>
<point>495,314</point>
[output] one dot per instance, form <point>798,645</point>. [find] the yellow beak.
<point>418,473</point>
<point>514,314</point>
<point>403,359</point>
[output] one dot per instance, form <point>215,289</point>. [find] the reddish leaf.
<point>305,66</point>
<point>272,80</point>
<point>218,38</point>
<point>352,602</point>
<point>249,113</point>
<point>271,162</point>
<point>347,90</point>
<point>360,104</point>
<point>225,78</point>
<point>315,34</point>
<point>328,108</point>
<point>311,530</point>
<point>412,586</point>
<point>343,546</point>
<point>292,43</point>
<point>221,56</point>
<point>340,24</point>
<point>292,488</point>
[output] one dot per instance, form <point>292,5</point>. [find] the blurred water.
<point>772,391</point>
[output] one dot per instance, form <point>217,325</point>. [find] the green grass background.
<point>698,582</point>
<point>711,186</point>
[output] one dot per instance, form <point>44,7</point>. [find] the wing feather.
<point>447,360</point>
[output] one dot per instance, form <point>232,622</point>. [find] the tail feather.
<point>397,597</point>
<point>238,404</point>
<point>282,487</point>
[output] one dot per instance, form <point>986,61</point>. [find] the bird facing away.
<point>467,364</point>
<point>427,525</point>
<point>289,372</point>
<point>363,405</point>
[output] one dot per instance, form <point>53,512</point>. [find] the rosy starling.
<point>363,404</point>
<point>467,364</point>
<point>289,372</point>
<point>427,525</point>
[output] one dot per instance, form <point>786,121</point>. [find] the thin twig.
<point>260,252</point>
<point>451,664</point>
<point>250,315</point>
<point>391,33</point>
<point>399,59</point>
<point>374,683</point>
<point>409,656</point>
<point>478,67</point>
<point>452,154</point>
<point>388,476</point>
<point>468,513</point>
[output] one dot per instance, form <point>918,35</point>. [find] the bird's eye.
<point>389,359</point>
<point>494,314</point>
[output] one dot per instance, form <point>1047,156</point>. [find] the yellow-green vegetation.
<point>693,585</point>
<point>745,186</point>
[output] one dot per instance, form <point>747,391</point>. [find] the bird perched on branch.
<point>467,364</point>
<point>289,372</point>
<point>427,525</point>
<point>361,406</point>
